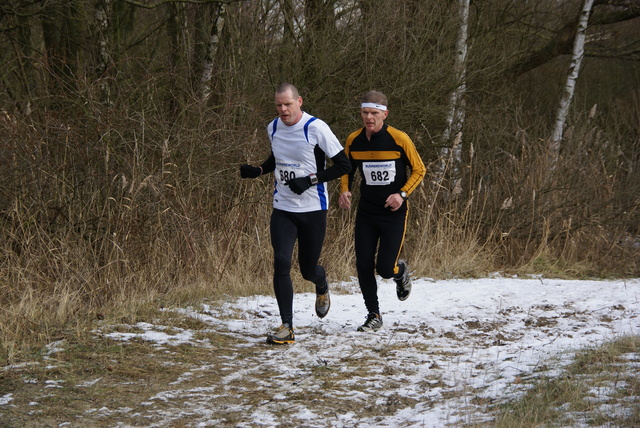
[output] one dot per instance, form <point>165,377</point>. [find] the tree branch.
<point>163,2</point>
<point>607,12</point>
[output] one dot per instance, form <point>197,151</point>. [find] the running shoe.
<point>282,336</point>
<point>373,323</point>
<point>403,283</point>
<point>323,303</point>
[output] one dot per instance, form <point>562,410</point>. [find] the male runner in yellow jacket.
<point>383,155</point>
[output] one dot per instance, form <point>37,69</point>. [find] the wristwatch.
<point>314,179</point>
<point>404,195</point>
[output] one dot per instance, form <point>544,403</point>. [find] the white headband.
<point>374,105</point>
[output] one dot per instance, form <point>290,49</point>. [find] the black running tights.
<point>384,235</point>
<point>309,230</point>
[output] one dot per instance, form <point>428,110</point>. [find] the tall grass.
<point>106,209</point>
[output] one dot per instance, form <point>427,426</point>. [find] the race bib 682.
<point>379,173</point>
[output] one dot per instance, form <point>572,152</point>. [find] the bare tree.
<point>102,14</point>
<point>561,41</point>
<point>574,70</point>
<point>24,53</point>
<point>452,153</point>
<point>61,34</point>
<point>319,27</point>
<point>288,15</point>
<point>217,15</point>
<point>103,11</point>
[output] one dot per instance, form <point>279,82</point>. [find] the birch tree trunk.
<point>217,24</point>
<point>569,87</point>
<point>102,14</point>
<point>456,114</point>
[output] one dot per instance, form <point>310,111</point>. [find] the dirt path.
<point>446,356</point>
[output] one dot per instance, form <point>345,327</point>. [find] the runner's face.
<point>289,108</point>
<point>373,119</point>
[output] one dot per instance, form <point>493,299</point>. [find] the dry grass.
<point>57,283</point>
<point>589,391</point>
<point>124,374</point>
<point>153,212</point>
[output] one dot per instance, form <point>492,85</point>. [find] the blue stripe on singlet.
<point>306,128</point>
<point>322,194</point>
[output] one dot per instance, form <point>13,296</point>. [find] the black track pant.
<point>383,234</point>
<point>309,229</point>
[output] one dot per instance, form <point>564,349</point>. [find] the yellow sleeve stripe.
<point>344,183</point>
<point>418,169</point>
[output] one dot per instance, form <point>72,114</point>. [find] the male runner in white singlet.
<point>300,144</point>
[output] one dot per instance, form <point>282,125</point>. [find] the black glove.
<point>298,185</point>
<point>248,171</point>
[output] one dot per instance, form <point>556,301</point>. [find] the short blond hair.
<point>284,87</point>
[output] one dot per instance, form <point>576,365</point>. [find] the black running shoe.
<point>403,284</point>
<point>373,323</point>
<point>282,336</point>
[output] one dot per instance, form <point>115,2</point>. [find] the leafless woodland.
<point>123,123</point>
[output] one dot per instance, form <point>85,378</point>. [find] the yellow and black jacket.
<point>383,162</point>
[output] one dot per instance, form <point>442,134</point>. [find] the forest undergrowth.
<point>87,233</point>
